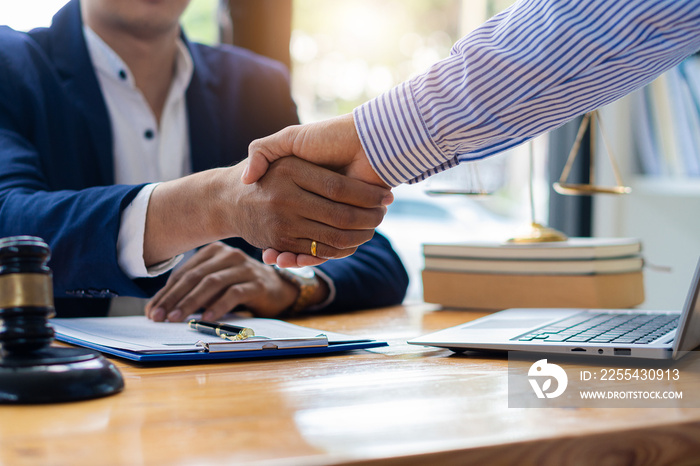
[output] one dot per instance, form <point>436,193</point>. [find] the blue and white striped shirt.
<point>526,71</point>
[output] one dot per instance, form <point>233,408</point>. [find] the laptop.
<point>595,332</point>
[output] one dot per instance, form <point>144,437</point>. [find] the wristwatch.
<point>305,279</point>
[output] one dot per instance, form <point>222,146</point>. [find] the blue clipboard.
<point>224,355</point>
<point>137,339</point>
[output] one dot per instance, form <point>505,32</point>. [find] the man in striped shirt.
<point>526,71</point>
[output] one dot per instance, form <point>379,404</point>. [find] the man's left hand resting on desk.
<point>220,277</point>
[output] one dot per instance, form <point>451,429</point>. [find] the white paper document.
<point>139,334</point>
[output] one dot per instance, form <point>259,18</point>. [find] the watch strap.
<point>307,286</point>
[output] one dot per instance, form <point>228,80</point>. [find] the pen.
<point>227,331</point>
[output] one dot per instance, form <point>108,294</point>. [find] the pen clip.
<point>231,337</point>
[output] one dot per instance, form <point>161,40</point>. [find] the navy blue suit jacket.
<point>56,161</point>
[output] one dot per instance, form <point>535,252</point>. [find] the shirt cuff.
<point>130,239</point>
<point>331,291</point>
<point>396,140</point>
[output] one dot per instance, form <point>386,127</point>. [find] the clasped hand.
<point>295,203</point>
<point>298,202</point>
<point>332,143</point>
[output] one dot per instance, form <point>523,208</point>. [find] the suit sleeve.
<point>44,155</point>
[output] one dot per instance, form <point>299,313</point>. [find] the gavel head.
<point>26,295</point>
<point>31,370</point>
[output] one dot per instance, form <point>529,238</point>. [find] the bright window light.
<point>28,14</point>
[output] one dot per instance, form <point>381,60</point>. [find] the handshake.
<point>346,198</point>
<point>305,195</point>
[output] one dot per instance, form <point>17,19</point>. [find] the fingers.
<point>269,256</point>
<point>304,260</point>
<point>326,197</point>
<point>217,280</point>
<point>289,259</point>
<point>334,186</point>
<point>255,169</point>
<point>338,188</point>
<point>283,211</point>
<point>157,312</point>
<point>262,152</point>
<point>187,298</point>
<point>239,293</point>
<point>331,244</point>
<point>297,202</point>
<point>197,283</point>
<point>341,218</point>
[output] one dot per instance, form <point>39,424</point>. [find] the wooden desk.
<point>397,405</point>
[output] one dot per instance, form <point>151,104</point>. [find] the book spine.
<point>500,251</point>
<point>535,267</point>
<point>502,291</point>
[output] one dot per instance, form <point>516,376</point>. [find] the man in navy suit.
<point>112,129</point>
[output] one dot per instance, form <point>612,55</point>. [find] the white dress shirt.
<point>144,151</point>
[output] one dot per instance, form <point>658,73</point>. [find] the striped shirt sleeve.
<point>526,71</point>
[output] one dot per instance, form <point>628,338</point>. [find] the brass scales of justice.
<point>540,233</point>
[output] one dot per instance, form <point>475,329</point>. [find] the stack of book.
<point>579,272</point>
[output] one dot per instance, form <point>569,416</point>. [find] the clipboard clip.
<point>254,344</point>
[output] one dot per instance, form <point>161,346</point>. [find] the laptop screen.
<point>688,336</point>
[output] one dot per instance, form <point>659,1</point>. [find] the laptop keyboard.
<point>638,329</point>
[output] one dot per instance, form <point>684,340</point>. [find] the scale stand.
<point>538,233</point>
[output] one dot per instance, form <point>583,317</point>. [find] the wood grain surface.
<point>397,405</point>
